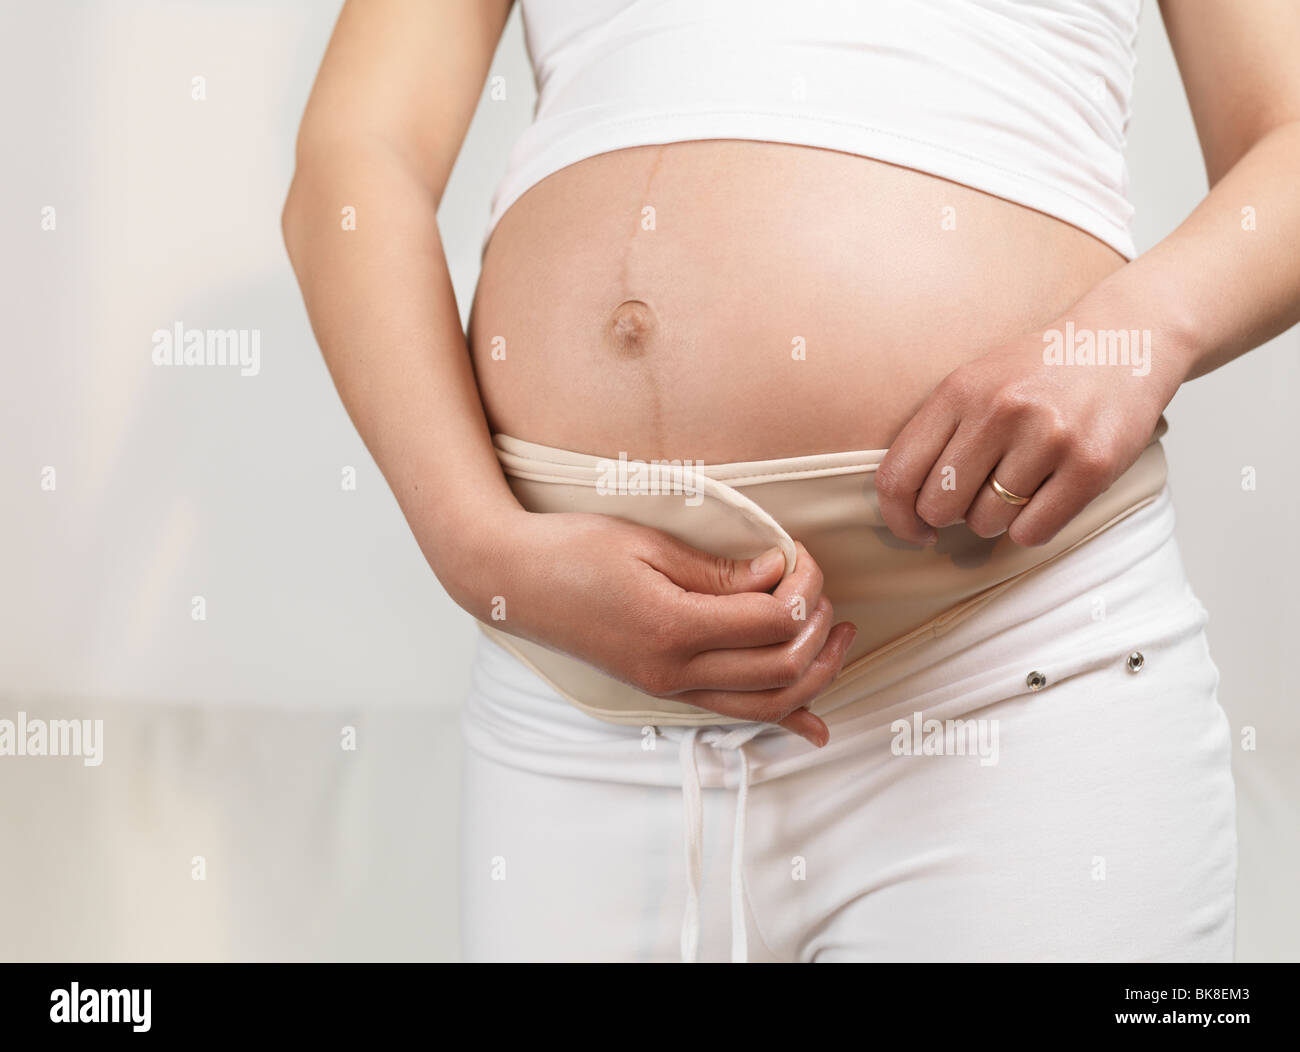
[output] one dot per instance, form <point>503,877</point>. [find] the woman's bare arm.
<point>395,94</point>
<point>1226,280</point>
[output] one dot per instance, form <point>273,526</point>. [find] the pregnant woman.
<point>802,464</point>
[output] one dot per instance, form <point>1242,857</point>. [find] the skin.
<point>678,342</point>
<point>930,347</point>
<point>1209,292</point>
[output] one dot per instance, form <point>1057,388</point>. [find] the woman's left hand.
<point>1057,433</point>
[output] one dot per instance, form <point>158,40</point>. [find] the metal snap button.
<point>1136,661</point>
<point>1035,681</point>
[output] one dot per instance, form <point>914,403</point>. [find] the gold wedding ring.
<point>1006,494</point>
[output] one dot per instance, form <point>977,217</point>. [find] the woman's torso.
<point>735,300</point>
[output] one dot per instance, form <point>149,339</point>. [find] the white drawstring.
<point>694,815</point>
<point>739,947</point>
<point>693,811</point>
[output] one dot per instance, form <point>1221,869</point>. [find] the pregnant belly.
<point>724,301</point>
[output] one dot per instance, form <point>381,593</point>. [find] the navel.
<point>631,328</point>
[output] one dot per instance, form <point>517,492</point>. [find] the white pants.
<point>1018,789</point>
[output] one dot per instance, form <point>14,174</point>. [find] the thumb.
<point>699,571</point>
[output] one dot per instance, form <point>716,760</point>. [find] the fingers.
<point>776,706</point>
<point>908,465</point>
<point>698,571</point>
<point>723,622</point>
<point>1022,470</point>
<point>955,478</point>
<point>800,591</point>
<point>1013,434</point>
<point>1070,489</point>
<point>809,727</point>
<point>762,668</point>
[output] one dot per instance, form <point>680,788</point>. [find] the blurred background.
<point>180,556</point>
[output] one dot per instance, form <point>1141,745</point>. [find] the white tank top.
<point>1024,99</point>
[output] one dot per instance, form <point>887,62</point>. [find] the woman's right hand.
<point>729,636</point>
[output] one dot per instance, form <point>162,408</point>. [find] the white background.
<point>223,736</point>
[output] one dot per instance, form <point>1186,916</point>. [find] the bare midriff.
<point>724,301</point>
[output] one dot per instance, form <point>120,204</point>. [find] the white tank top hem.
<point>800,130</point>
<point>1027,100</point>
